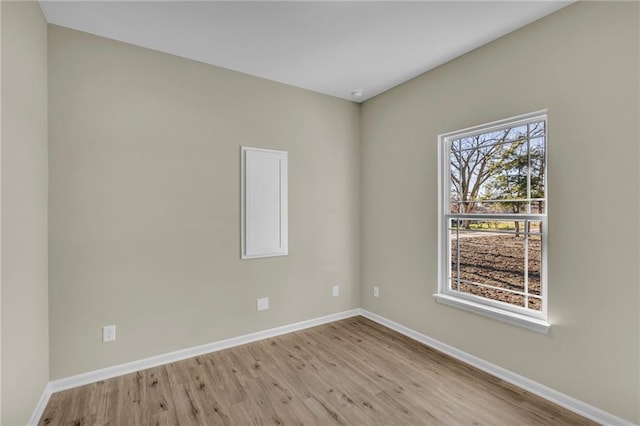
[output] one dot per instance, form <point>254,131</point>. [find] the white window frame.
<point>531,319</point>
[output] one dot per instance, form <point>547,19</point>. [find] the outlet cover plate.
<point>263,304</point>
<point>336,291</point>
<point>108,333</point>
<point>376,292</point>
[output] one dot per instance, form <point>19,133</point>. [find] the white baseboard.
<point>154,361</point>
<point>559,398</point>
<point>543,391</point>
<point>42,404</point>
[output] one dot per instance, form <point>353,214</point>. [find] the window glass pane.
<point>538,206</point>
<point>534,262</point>
<point>536,129</point>
<point>492,172</point>
<point>535,228</point>
<point>486,140</point>
<point>493,294</point>
<point>491,258</point>
<point>508,206</point>
<point>508,178</point>
<point>517,133</point>
<point>535,303</point>
<point>537,165</point>
<point>466,143</point>
<point>484,227</point>
<point>453,235</point>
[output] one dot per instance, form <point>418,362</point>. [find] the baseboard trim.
<point>154,361</point>
<point>42,404</point>
<point>559,398</point>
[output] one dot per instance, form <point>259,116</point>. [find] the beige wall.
<point>582,64</point>
<point>145,204</point>
<point>25,341</point>
<point>0,215</point>
<point>144,210</point>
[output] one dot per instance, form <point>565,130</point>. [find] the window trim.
<point>537,321</point>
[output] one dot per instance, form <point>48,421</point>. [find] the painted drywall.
<point>582,64</point>
<point>25,335</point>
<point>145,202</point>
<point>0,216</point>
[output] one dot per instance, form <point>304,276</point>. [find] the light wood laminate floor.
<point>350,372</point>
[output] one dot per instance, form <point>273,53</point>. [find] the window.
<point>493,220</point>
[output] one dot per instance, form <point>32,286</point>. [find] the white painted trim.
<point>535,324</point>
<point>515,121</point>
<point>154,361</point>
<point>42,404</point>
<point>559,398</point>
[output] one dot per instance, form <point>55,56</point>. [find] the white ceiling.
<point>328,47</point>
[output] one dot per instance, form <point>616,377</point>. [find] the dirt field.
<point>497,260</point>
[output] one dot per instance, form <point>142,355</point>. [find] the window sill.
<point>534,324</point>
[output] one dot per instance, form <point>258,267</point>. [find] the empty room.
<point>320,213</point>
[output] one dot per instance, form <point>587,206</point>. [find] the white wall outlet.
<point>108,333</point>
<point>263,303</point>
<point>336,290</point>
<point>376,292</point>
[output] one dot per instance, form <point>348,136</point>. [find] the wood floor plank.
<point>350,372</point>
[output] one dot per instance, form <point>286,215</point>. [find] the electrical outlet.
<point>263,304</point>
<point>376,292</point>
<point>336,290</point>
<point>108,333</point>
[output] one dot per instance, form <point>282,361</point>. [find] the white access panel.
<point>264,203</point>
